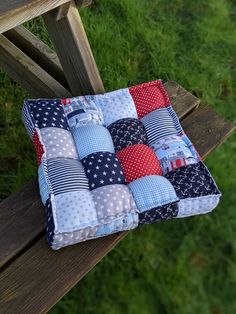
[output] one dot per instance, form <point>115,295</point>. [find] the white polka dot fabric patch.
<point>117,105</point>
<point>58,143</point>
<point>112,202</point>
<point>196,206</point>
<point>75,210</point>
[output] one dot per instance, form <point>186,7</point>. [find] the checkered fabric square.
<point>112,162</point>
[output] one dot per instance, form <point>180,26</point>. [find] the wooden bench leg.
<point>72,46</point>
<point>27,72</point>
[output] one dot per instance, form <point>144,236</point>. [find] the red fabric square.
<point>138,161</point>
<point>148,97</point>
<point>38,147</point>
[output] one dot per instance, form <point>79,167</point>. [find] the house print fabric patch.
<point>112,162</point>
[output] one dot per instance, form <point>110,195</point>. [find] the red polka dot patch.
<point>148,97</point>
<point>138,161</point>
<point>38,147</point>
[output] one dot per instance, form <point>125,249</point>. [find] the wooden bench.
<point>33,277</point>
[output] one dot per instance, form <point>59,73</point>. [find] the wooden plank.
<point>73,50</point>
<point>27,73</point>
<point>211,129</point>
<point>48,275</point>
<point>183,101</point>
<point>16,12</point>
<point>15,5</point>
<point>22,219</point>
<point>83,3</point>
<point>12,242</point>
<point>38,51</point>
<point>48,271</point>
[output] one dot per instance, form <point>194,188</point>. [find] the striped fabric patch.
<point>66,175</point>
<point>28,119</point>
<point>160,123</point>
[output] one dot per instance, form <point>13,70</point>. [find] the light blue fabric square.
<point>92,139</point>
<point>117,105</point>
<point>152,191</point>
<point>43,187</point>
<point>126,222</point>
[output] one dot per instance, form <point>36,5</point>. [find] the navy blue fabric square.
<point>164,212</point>
<point>127,132</point>
<point>50,227</point>
<point>48,113</point>
<point>192,181</point>
<point>103,168</point>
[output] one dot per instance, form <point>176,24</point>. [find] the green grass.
<point>179,267</point>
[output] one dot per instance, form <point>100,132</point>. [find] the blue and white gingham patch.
<point>91,139</point>
<point>152,191</point>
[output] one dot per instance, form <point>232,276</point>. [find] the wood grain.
<point>38,51</point>
<point>211,129</point>
<point>48,274</point>
<point>22,219</point>
<point>27,73</point>
<point>183,101</point>
<point>16,12</point>
<point>83,3</point>
<point>33,223</point>
<point>72,47</point>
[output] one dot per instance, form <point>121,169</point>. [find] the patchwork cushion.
<point>127,132</point>
<point>103,168</point>
<point>138,161</point>
<point>111,162</point>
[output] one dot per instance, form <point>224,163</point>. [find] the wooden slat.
<point>48,275</point>
<point>12,242</point>
<point>183,101</point>
<point>73,50</point>
<point>38,51</point>
<point>27,73</point>
<point>16,12</point>
<point>83,3</point>
<point>210,128</point>
<point>22,219</point>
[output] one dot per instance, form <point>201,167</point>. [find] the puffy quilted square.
<point>148,97</point>
<point>174,152</point>
<point>66,175</point>
<point>116,105</point>
<point>152,191</point>
<point>103,168</point>
<point>58,143</point>
<point>127,132</point>
<point>90,139</point>
<point>138,161</point>
<point>82,110</point>
<point>112,162</point>
<point>48,113</point>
